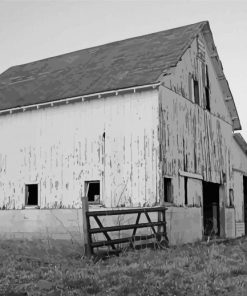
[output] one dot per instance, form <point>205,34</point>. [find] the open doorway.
<point>211,221</point>
<point>245,202</point>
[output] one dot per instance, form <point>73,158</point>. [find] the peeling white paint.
<point>193,139</point>
<point>62,147</point>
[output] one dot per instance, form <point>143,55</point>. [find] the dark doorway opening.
<point>245,202</point>
<point>31,195</point>
<point>211,221</point>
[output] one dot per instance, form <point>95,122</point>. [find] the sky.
<point>37,29</point>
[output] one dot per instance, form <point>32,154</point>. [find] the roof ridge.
<point>187,45</point>
<point>192,38</point>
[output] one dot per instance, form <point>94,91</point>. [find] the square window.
<point>31,194</point>
<point>93,191</point>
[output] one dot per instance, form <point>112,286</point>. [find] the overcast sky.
<point>32,30</point>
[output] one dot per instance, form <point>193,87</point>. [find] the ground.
<point>59,268</point>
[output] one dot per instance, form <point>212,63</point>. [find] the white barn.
<point>128,124</point>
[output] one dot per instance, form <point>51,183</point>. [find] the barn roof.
<point>132,62</point>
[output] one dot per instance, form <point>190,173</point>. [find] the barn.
<point>133,123</point>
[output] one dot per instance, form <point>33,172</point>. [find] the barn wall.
<point>193,141</point>
<point>239,158</point>
<point>230,228</point>
<point>183,225</point>
<point>114,140</point>
<point>238,196</point>
<point>192,138</point>
<point>239,170</point>
<point>191,66</point>
<point>64,224</point>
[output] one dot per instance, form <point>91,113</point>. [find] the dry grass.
<point>57,268</point>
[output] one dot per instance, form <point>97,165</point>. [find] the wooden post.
<point>85,220</point>
<point>163,219</point>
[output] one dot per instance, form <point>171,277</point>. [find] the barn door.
<point>245,202</point>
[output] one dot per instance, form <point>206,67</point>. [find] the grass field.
<point>58,268</point>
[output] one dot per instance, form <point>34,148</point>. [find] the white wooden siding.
<point>193,139</point>
<point>62,147</point>
<point>239,170</point>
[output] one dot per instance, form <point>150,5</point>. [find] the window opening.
<point>207,90</point>
<point>231,197</point>
<point>93,191</point>
<point>196,91</point>
<point>207,98</point>
<point>31,191</point>
<point>167,189</point>
<point>185,190</point>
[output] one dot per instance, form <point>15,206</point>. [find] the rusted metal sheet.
<point>113,140</point>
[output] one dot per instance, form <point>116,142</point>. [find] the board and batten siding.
<point>113,140</point>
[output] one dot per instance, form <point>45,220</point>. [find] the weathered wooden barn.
<point>128,124</point>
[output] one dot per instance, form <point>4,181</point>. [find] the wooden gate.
<point>158,228</point>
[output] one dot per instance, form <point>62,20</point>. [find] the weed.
<point>58,268</point>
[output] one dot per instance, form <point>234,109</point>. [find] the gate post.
<point>87,248</point>
<point>163,219</point>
